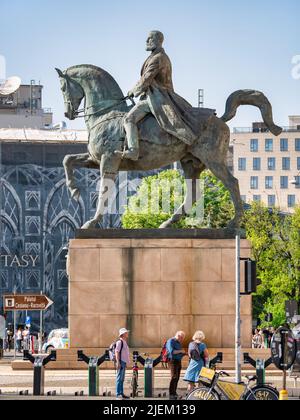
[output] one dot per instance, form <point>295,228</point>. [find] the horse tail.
<point>254,98</point>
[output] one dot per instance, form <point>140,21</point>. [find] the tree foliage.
<point>149,207</point>
<point>275,243</point>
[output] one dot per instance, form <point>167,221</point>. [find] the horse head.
<point>72,93</point>
<point>92,83</point>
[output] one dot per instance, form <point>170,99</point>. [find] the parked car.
<point>57,339</point>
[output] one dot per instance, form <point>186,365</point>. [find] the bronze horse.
<point>104,110</point>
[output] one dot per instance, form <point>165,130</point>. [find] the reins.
<point>103,110</point>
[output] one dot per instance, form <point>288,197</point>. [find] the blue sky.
<point>217,45</point>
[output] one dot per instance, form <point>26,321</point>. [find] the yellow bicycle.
<point>214,388</point>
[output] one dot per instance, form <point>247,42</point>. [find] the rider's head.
<point>155,40</point>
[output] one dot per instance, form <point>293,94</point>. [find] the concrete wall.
<point>154,287</point>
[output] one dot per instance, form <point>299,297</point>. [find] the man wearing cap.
<point>123,360</point>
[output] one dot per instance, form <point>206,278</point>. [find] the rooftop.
<point>46,135</point>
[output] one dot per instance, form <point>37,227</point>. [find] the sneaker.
<point>173,397</point>
<point>119,397</point>
<point>125,397</point>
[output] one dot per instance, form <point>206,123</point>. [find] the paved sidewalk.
<point>69,382</point>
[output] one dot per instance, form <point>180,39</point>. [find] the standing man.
<point>122,361</point>
<point>175,354</point>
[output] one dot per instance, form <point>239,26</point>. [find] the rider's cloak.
<point>173,113</point>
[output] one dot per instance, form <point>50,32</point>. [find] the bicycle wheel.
<point>262,393</point>
<point>134,384</point>
<point>203,394</point>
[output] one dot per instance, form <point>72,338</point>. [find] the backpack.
<point>112,350</point>
<point>195,354</point>
<point>165,357</point>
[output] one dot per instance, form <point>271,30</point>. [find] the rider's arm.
<point>148,77</point>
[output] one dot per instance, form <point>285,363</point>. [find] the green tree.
<point>275,243</point>
<point>160,195</point>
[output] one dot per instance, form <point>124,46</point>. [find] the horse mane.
<point>102,77</point>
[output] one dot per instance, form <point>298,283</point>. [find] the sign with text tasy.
<point>26,303</point>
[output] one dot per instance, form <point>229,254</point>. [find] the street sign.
<point>26,303</point>
<point>283,349</point>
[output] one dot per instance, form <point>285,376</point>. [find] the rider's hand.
<point>130,94</point>
<point>118,365</point>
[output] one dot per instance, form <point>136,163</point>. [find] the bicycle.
<point>135,376</point>
<point>214,389</point>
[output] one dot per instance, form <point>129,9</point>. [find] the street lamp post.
<point>238,346</point>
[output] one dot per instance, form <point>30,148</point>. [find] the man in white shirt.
<point>123,360</point>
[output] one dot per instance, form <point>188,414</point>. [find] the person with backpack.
<point>175,355</point>
<point>119,352</point>
<point>199,358</point>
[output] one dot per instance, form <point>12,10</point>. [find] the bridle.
<point>101,110</point>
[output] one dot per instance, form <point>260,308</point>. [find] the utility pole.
<point>238,345</point>
<point>200,98</point>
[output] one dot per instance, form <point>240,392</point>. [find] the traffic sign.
<point>283,349</point>
<point>26,303</point>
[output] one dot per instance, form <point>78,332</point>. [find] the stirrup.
<point>128,154</point>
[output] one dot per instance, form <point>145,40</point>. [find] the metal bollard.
<point>93,363</point>
<point>39,364</point>
<point>260,365</point>
<point>149,364</point>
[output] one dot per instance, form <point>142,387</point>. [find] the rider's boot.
<point>133,142</point>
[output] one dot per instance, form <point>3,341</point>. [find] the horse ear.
<point>60,73</point>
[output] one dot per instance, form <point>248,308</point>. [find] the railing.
<point>245,130</point>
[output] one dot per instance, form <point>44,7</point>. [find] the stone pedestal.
<point>154,287</point>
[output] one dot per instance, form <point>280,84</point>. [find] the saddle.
<point>110,128</point>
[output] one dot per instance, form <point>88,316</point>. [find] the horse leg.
<point>221,171</point>
<point>191,173</point>
<point>108,170</point>
<point>72,161</point>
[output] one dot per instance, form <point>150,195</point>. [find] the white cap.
<point>123,331</point>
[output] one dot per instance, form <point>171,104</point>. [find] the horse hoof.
<point>165,225</point>
<point>233,225</point>
<point>91,224</point>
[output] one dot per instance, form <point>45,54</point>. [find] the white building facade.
<point>268,167</point>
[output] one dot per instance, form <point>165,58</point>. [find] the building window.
<point>284,145</point>
<point>291,201</point>
<point>271,200</point>
<point>297,181</point>
<point>254,183</point>
<point>32,279</point>
<point>286,164</point>
<point>269,182</point>
<point>254,145</point>
<point>284,182</point>
<point>243,198</point>
<point>242,164</point>
<point>298,163</point>
<point>32,225</point>
<point>297,145</point>
<point>257,198</point>
<point>269,145</point>
<point>256,164</point>
<point>32,200</point>
<point>272,164</point>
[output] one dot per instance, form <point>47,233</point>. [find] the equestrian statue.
<point>160,129</point>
